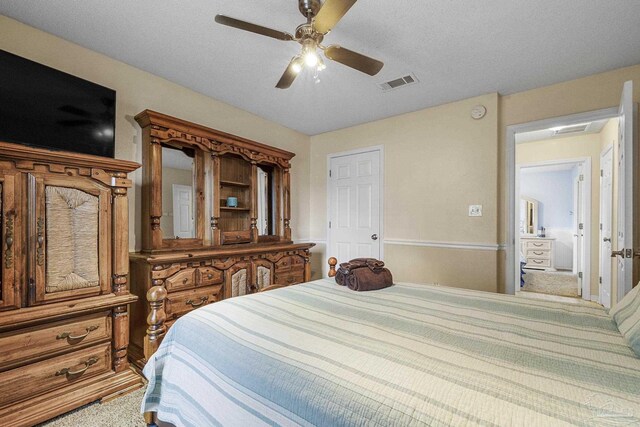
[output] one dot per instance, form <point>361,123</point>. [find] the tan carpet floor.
<point>551,282</point>
<point>121,412</point>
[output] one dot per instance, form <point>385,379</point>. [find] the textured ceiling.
<point>456,48</point>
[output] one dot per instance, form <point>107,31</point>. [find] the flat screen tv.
<point>44,107</point>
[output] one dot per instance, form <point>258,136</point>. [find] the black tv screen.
<point>44,107</point>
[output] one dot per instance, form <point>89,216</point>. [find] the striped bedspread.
<point>320,354</point>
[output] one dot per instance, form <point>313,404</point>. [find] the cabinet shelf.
<point>226,208</point>
<point>234,184</point>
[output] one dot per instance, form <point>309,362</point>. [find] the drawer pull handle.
<point>67,335</point>
<point>290,279</point>
<point>40,241</point>
<point>537,261</point>
<point>197,304</point>
<point>538,244</point>
<point>538,253</point>
<point>184,281</point>
<point>8,239</point>
<point>209,276</point>
<point>68,372</point>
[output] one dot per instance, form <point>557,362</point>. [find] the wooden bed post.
<point>155,320</point>
<point>332,266</point>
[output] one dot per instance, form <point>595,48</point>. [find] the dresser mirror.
<point>268,202</point>
<point>528,216</point>
<point>178,208</point>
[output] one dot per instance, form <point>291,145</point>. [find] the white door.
<point>354,206</point>
<point>606,211</point>
<point>626,147</point>
<point>183,211</point>
<point>578,225</point>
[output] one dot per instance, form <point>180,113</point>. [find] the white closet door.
<point>354,193</point>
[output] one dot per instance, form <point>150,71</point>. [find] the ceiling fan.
<point>321,18</point>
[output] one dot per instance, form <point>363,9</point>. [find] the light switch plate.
<point>475,210</point>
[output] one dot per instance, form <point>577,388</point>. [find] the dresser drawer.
<point>534,262</point>
<point>289,278</point>
<point>289,263</point>
<point>24,344</point>
<point>31,380</point>
<point>183,279</point>
<point>539,253</point>
<point>231,237</point>
<point>179,303</point>
<point>207,276</point>
<point>534,244</point>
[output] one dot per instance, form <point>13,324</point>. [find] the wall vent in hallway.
<point>398,83</point>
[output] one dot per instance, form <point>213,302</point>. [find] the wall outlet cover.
<point>475,210</point>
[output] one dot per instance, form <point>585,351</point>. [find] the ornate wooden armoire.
<point>64,325</point>
<point>215,222</point>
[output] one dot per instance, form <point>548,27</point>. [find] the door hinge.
<point>329,224</point>
<point>601,172</point>
<point>581,177</point>
<point>600,226</point>
<point>581,226</point>
<point>600,280</point>
<point>329,173</point>
<point>580,275</point>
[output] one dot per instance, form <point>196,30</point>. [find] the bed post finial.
<point>156,330</point>
<point>332,266</point>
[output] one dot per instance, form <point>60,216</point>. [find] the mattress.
<point>320,354</point>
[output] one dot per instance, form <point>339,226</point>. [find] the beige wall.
<point>437,162</point>
<point>138,90</point>
<point>609,136</point>
<point>573,147</point>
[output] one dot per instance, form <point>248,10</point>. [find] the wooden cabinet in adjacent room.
<point>216,223</point>
<point>64,295</point>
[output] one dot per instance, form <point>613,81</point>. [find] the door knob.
<point>619,253</point>
<point>374,237</point>
<point>606,239</point>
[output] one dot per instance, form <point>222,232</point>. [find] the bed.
<point>321,354</point>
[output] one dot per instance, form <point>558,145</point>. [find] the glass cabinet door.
<point>9,295</point>
<point>70,231</point>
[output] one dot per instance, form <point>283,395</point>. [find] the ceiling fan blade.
<point>353,59</point>
<point>330,13</point>
<point>258,29</point>
<point>288,76</point>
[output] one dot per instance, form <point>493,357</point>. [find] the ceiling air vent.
<point>571,129</point>
<point>398,83</point>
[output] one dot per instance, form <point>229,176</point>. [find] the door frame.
<point>586,207</point>
<point>608,149</point>
<point>331,156</point>
<point>510,167</point>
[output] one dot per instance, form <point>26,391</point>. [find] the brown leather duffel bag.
<point>364,274</point>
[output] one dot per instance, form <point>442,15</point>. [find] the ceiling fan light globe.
<point>311,59</point>
<point>296,67</point>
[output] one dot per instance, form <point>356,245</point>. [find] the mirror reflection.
<point>178,199</point>
<point>266,201</point>
<point>528,215</point>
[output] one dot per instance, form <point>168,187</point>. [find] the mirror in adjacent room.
<point>528,216</point>
<point>178,201</point>
<point>267,203</point>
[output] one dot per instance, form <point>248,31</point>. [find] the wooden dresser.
<point>64,325</point>
<point>539,252</point>
<point>215,222</point>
